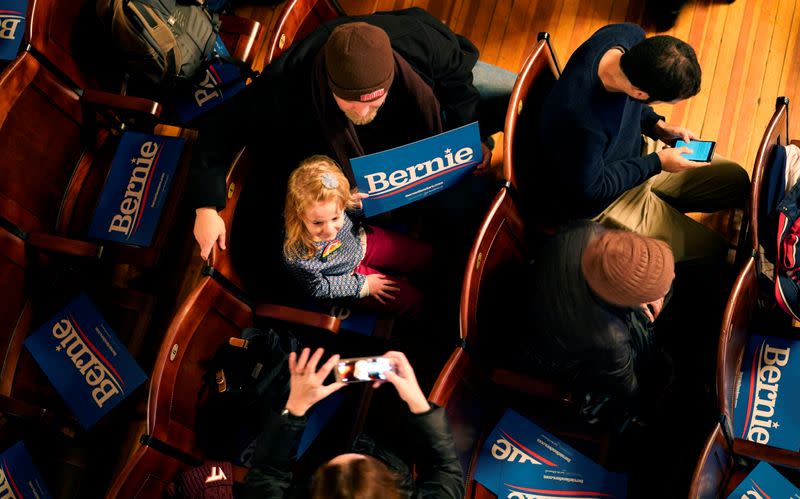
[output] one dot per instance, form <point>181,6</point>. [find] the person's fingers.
<point>390,287</point>
<point>683,150</point>
<point>328,389</point>
<point>314,360</point>
<point>221,241</point>
<point>378,297</point>
<point>647,313</point>
<point>377,384</point>
<point>361,195</point>
<point>327,367</point>
<point>698,164</point>
<point>385,295</point>
<point>205,249</point>
<point>292,361</point>
<point>301,362</point>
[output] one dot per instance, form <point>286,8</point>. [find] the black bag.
<point>161,40</point>
<point>242,384</point>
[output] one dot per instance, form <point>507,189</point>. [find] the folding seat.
<point>298,19</point>
<point>714,468</point>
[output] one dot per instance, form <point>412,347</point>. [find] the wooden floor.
<point>749,51</point>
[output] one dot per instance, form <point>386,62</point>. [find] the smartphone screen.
<point>702,150</point>
<point>363,369</point>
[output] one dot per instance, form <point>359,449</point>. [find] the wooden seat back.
<point>298,19</point>
<point>535,80</point>
<point>713,467</point>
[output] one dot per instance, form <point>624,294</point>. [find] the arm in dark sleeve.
<point>221,134</point>
<point>614,368</point>
<point>276,450</point>
<point>438,470</point>
<point>649,120</point>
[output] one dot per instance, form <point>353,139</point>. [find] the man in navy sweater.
<point>590,136</point>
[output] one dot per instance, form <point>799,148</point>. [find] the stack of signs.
<point>136,188</point>
<point>764,482</point>
<point>85,360</point>
<point>766,409</point>
<point>19,478</point>
<point>408,173</point>
<point>12,27</point>
<point>519,460</point>
<point>221,81</point>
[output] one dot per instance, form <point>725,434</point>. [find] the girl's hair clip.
<point>330,181</point>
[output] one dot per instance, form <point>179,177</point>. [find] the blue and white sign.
<point>765,483</point>
<point>136,188</point>
<point>85,360</point>
<point>12,27</point>
<point>408,173</point>
<point>221,81</point>
<point>766,409</point>
<point>519,460</point>
<point>19,478</point>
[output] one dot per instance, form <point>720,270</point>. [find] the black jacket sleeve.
<point>439,472</point>
<point>276,450</point>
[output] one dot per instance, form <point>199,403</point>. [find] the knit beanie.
<point>626,269</point>
<point>359,61</point>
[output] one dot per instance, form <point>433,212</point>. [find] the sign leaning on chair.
<point>19,478</point>
<point>85,361</point>
<point>764,482</point>
<point>402,175</point>
<point>12,27</point>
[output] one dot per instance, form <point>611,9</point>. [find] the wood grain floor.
<point>749,51</point>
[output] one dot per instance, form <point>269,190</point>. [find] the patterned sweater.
<point>332,276</point>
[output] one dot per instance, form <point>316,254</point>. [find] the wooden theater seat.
<point>298,19</point>
<point>535,80</point>
<point>713,468</point>
<point>737,324</point>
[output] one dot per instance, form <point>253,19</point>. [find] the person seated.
<point>333,257</point>
<point>354,86</point>
<point>590,144</point>
<point>380,475</point>
<point>594,296</point>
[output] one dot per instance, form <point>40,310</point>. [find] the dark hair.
<point>664,67</point>
<point>365,478</point>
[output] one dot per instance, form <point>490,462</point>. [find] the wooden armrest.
<point>238,24</point>
<point>774,455</point>
<point>249,35</point>
<point>298,316</point>
<point>64,245</point>
<point>530,385</point>
<point>133,111</point>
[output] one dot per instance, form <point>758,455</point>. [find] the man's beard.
<point>362,120</point>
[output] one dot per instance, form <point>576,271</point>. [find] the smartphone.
<point>702,150</point>
<point>363,369</point>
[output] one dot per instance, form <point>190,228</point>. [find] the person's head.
<point>354,476</point>
<point>359,63</point>
<point>662,68</point>
<point>626,269</point>
<point>316,197</point>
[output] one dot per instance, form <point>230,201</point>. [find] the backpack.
<point>161,40</point>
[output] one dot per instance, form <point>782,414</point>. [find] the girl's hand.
<point>381,288</point>
<point>356,197</point>
<point>306,388</point>
<point>405,382</point>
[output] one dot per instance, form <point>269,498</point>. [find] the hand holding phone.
<point>702,150</point>
<point>363,369</point>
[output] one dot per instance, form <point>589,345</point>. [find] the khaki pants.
<point>656,208</point>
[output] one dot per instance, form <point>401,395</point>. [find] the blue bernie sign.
<point>19,478</point>
<point>405,174</point>
<point>136,188</point>
<point>12,27</point>
<point>221,81</point>
<point>519,460</point>
<point>764,483</point>
<point>766,409</point>
<point>85,360</point>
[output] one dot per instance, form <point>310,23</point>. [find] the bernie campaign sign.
<point>221,81</point>
<point>86,362</point>
<point>12,27</point>
<point>766,409</point>
<point>408,173</point>
<point>765,483</point>
<point>136,188</point>
<point>19,478</point>
<point>519,460</point>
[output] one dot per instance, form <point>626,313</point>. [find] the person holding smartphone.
<point>364,475</point>
<point>590,144</point>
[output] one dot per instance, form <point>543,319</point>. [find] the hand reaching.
<point>673,162</point>
<point>405,382</point>
<point>356,197</point>
<point>209,228</point>
<point>668,133</point>
<point>306,388</point>
<point>381,288</point>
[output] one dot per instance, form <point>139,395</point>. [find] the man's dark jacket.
<point>276,116</point>
<point>439,474</point>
